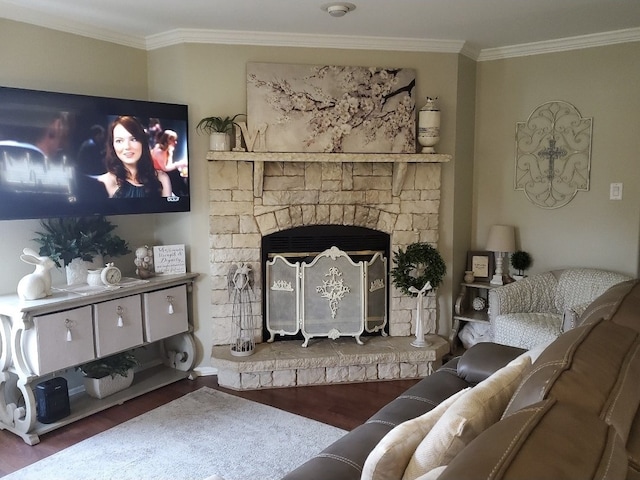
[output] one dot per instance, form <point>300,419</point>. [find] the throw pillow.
<point>432,474</point>
<point>388,460</point>
<point>471,414</point>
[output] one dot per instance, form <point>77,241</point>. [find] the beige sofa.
<point>537,309</point>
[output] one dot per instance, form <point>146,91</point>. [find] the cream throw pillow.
<point>432,474</point>
<point>471,414</point>
<point>391,455</point>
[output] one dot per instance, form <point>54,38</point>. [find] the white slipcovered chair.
<point>537,309</point>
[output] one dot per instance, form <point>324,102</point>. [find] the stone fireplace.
<point>254,195</point>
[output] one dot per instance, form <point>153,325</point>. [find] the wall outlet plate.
<point>615,191</point>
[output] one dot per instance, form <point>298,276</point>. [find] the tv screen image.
<point>72,155</point>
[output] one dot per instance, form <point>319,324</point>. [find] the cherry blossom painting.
<point>321,108</point>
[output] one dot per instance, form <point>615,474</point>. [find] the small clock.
<point>111,275</point>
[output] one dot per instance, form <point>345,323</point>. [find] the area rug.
<point>204,433</point>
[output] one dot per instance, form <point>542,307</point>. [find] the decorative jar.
<point>469,277</point>
<point>429,126</point>
<point>94,278</point>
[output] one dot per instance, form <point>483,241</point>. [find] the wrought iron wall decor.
<point>553,154</point>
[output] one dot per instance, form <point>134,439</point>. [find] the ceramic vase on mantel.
<point>429,126</point>
<point>219,141</point>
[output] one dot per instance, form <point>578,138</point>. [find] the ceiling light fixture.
<point>338,9</point>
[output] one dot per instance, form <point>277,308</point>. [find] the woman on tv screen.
<point>130,171</point>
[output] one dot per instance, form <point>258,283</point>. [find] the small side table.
<point>464,311</point>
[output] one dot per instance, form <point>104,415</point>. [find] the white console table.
<point>42,338</point>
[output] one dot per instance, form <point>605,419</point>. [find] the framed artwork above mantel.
<point>332,109</point>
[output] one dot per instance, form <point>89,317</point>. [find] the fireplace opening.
<point>304,244</point>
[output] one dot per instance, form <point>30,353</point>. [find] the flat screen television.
<point>55,149</point>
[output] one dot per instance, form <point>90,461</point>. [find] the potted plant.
<point>83,238</point>
<point>521,261</point>
<point>218,129</point>
<point>106,376</point>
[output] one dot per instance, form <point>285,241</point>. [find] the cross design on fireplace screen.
<point>333,290</point>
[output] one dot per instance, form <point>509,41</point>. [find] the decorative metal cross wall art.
<point>553,154</point>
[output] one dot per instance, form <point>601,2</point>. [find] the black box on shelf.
<point>52,400</point>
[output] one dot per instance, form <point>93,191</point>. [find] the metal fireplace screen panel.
<point>376,293</point>
<point>282,296</point>
<point>332,295</point>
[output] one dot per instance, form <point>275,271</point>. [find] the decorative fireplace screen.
<point>332,296</point>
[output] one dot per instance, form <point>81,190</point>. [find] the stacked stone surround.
<point>302,193</point>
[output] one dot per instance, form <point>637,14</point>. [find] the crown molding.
<point>33,17</point>
<point>228,37</point>
<point>561,45</point>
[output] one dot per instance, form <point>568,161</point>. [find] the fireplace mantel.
<point>399,160</point>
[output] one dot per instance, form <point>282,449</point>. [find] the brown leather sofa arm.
<point>483,359</point>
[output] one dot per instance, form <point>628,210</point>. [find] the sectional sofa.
<point>565,410</point>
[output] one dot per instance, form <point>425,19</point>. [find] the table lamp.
<point>502,239</point>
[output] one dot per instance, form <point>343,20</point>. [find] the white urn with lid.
<point>429,126</point>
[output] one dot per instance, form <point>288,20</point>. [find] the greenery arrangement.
<point>64,239</point>
<point>521,261</point>
<point>419,264</point>
<point>210,125</point>
<point>118,364</point>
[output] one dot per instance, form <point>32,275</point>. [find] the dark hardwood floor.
<point>345,406</point>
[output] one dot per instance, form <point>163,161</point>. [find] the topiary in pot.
<point>521,261</point>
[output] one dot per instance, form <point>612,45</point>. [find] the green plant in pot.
<point>108,375</point>
<point>219,130</point>
<point>119,364</point>
<point>520,261</point>
<point>83,238</point>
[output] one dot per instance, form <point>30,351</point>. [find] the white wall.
<point>591,230</point>
<point>37,58</point>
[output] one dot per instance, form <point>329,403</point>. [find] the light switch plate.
<point>615,191</point>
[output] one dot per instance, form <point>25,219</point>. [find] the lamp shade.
<point>502,238</point>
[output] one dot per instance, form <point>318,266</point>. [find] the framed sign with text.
<point>169,259</point>
<point>481,264</point>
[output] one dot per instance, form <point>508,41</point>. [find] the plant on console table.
<point>219,130</point>
<point>106,376</point>
<point>418,269</point>
<point>75,240</point>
